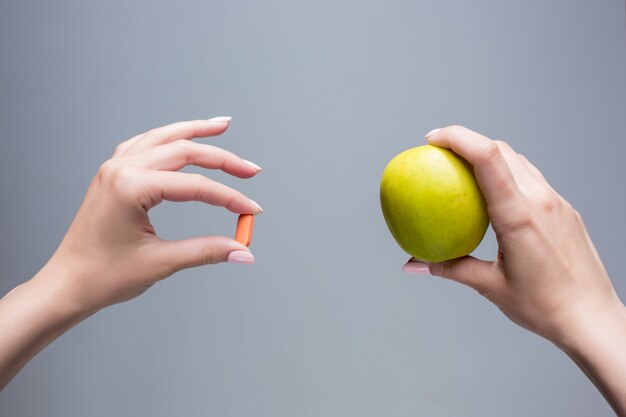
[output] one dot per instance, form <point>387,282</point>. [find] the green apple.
<point>432,204</point>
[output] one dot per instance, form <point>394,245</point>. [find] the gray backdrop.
<point>323,94</point>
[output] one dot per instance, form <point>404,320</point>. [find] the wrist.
<point>45,300</point>
<point>31,316</point>
<point>597,345</point>
<point>55,286</point>
<point>590,325</point>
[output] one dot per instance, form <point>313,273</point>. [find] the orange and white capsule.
<point>245,226</point>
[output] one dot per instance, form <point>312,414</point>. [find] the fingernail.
<point>418,268</point>
<point>433,132</point>
<point>221,119</point>
<point>240,257</point>
<point>256,204</point>
<point>253,165</point>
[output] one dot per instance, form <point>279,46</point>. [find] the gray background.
<point>323,94</point>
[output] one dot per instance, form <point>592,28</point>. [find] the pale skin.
<point>111,252</point>
<point>547,276</point>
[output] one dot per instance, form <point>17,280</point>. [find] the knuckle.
<point>182,144</point>
<point>224,157</point>
<point>503,145</point>
<point>521,221</point>
<point>445,269</point>
<point>548,205</point>
<point>119,149</point>
<point>208,256</point>
<point>123,173</point>
<point>440,269</point>
<point>200,182</point>
<point>503,186</point>
<point>577,215</point>
<point>234,199</point>
<point>199,179</point>
<point>121,180</point>
<point>437,269</point>
<point>518,219</point>
<point>183,148</point>
<point>106,169</point>
<point>490,152</point>
<point>549,202</point>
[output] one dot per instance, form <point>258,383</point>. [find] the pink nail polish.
<point>417,268</point>
<point>257,205</point>
<point>240,257</point>
<point>253,165</point>
<point>432,132</point>
<point>221,119</point>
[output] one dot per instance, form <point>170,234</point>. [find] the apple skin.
<point>432,204</point>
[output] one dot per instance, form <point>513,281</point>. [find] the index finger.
<point>180,130</point>
<point>490,168</point>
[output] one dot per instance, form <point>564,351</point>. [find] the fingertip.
<point>432,133</point>
<point>258,207</point>
<point>187,253</point>
<point>232,245</point>
<point>218,249</point>
<point>245,170</point>
<point>244,205</point>
<point>253,165</point>
<point>224,119</point>
<point>239,167</point>
<point>414,267</point>
<point>216,126</point>
<point>245,175</point>
<point>240,257</point>
<point>242,171</point>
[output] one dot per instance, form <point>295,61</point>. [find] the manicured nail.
<point>256,204</point>
<point>414,267</point>
<point>221,119</point>
<point>432,132</point>
<point>253,165</point>
<point>240,257</point>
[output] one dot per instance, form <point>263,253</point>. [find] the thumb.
<point>181,254</point>
<point>475,273</point>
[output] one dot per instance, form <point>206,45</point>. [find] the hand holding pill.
<point>112,241</point>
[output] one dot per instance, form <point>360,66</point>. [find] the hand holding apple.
<point>547,276</point>
<point>546,268</point>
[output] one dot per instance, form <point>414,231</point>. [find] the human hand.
<point>111,252</point>
<point>547,276</point>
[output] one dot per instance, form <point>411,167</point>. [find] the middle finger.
<point>176,155</point>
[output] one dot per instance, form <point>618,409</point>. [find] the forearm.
<point>598,347</point>
<point>32,316</point>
